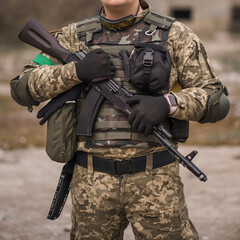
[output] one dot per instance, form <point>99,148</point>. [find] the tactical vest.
<point>111,127</point>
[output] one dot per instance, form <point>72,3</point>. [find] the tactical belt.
<point>130,166</point>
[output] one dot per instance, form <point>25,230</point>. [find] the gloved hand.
<point>148,112</point>
<point>95,66</point>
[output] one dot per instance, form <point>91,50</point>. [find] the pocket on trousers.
<point>166,186</point>
<point>164,225</point>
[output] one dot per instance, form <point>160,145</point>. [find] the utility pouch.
<point>179,129</point>
<point>149,67</point>
<point>61,133</point>
<point>218,104</point>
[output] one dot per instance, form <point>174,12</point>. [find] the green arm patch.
<point>42,60</point>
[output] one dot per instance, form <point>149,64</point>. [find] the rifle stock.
<point>34,34</point>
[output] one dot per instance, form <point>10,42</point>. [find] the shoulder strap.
<point>88,27</point>
<point>156,21</point>
<point>159,20</point>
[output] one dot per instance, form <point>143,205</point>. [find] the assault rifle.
<point>36,35</point>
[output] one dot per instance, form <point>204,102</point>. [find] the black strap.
<point>124,54</point>
<point>89,112</point>
<point>130,166</point>
<point>147,66</point>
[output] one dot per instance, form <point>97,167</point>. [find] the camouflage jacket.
<point>190,68</point>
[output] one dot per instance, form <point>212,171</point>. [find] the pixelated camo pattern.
<point>152,201</point>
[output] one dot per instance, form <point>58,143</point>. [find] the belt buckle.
<point>123,167</point>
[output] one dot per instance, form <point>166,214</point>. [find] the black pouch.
<point>148,67</point>
<point>179,129</point>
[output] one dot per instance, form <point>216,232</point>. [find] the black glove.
<point>148,112</point>
<point>95,66</point>
<point>57,102</point>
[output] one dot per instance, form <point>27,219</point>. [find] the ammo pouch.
<point>179,129</point>
<point>148,67</point>
<point>61,133</point>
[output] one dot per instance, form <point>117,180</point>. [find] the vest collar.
<point>126,22</point>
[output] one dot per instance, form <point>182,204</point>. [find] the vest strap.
<point>97,136</point>
<point>116,49</point>
<point>89,37</point>
<point>117,135</point>
<point>110,111</point>
<point>153,28</point>
<point>93,26</point>
<point>156,21</point>
<point>116,61</point>
<point>87,21</point>
<point>88,27</point>
<point>119,74</point>
<point>159,20</point>
<point>112,124</point>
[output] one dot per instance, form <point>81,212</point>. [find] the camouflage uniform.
<point>152,201</point>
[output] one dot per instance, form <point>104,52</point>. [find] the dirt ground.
<point>28,180</point>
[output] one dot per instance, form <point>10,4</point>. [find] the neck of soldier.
<point>118,12</point>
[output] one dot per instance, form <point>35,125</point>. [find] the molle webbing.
<point>116,49</point>
<point>117,135</point>
<point>161,21</point>
<point>156,21</point>
<point>111,124</point>
<point>88,28</point>
<point>93,24</point>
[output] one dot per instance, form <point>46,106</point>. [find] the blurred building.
<point>202,15</point>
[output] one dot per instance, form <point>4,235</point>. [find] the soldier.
<point>161,54</point>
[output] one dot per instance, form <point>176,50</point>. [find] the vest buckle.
<point>148,60</point>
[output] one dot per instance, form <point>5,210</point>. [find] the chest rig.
<point>111,127</point>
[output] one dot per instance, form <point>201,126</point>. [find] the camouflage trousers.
<point>152,201</point>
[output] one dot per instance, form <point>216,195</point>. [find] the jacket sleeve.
<point>46,81</point>
<point>195,74</point>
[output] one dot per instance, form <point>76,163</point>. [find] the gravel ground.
<point>28,180</point>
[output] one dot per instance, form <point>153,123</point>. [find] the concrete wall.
<point>207,15</point>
